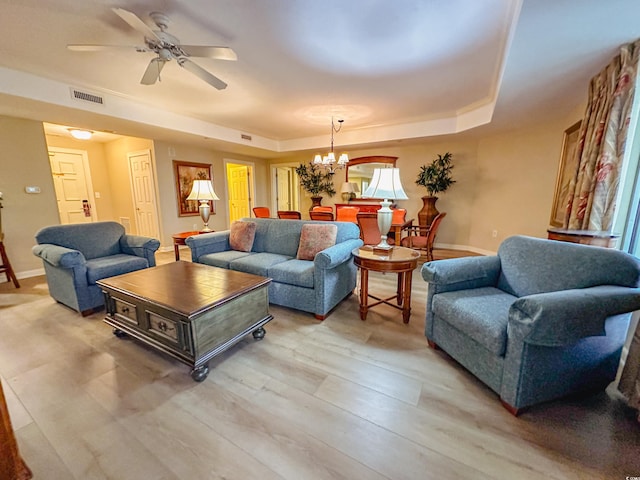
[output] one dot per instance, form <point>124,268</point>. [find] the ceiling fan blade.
<point>218,53</point>
<point>77,47</point>
<point>134,21</point>
<point>201,73</point>
<point>152,73</point>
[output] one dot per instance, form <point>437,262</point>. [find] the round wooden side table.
<point>180,239</point>
<point>400,260</point>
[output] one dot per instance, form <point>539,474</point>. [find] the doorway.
<point>240,188</point>
<point>286,185</point>
<point>72,184</point>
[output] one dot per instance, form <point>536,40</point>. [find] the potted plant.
<point>315,181</point>
<point>436,178</point>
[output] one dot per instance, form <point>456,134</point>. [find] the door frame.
<point>87,176</point>
<point>252,184</point>
<point>295,188</point>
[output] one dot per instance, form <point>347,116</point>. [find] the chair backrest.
<point>323,216</point>
<point>262,212</point>
<point>433,230</point>
<point>320,208</point>
<point>97,239</point>
<point>399,215</point>
<point>347,214</point>
<point>289,214</point>
<point>369,230</point>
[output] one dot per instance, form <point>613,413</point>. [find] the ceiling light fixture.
<point>80,134</point>
<point>329,160</point>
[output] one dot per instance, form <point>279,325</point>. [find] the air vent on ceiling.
<point>86,96</point>
<point>244,136</point>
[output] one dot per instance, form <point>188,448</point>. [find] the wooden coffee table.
<point>400,260</point>
<point>187,310</point>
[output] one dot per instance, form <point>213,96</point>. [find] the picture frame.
<point>566,171</point>
<point>185,174</point>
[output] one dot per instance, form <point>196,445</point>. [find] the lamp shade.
<point>202,190</point>
<point>347,187</point>
<point>386,184</point>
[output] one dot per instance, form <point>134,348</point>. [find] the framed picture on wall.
<point>186,173</point>
<point>566,172</point>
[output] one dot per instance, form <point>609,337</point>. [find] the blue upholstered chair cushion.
<point>113,265</point>
<point>479,313</point>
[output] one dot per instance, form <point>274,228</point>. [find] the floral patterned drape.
<point>601,143</point>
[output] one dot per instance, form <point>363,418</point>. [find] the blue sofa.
<point>76,255</point>
<point>312,286</point>
<point>540,320</point>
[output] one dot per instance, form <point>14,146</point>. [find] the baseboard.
<point>452,246</point>
<point>30,273</point>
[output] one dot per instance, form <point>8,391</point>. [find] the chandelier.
<point>329,160</point>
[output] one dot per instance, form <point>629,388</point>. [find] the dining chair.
<point>347,214</point>
<point>398,218</point>
<point>262,212</point>
<point>369,230</point>
<point>289,214</point>
<point>320,208</point>
<point>323,216</point>
<point>422,238</point>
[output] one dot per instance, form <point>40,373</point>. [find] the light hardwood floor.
<point>313,400</point>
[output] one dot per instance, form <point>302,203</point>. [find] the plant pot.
<point>315,202</point>
<point>428,211</point>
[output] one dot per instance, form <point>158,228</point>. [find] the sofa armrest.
<point>462,273</point>
<point>140,247</point>
<point>564,317</point>
<point>58,256</point>
<point>336,255</point>
<point>208,243</point>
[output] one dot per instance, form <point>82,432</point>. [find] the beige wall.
<point>24,162</point>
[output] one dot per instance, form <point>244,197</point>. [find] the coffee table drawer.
<point>125,311</point>
<point>164,327</point>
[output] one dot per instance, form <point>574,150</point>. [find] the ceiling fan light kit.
<point>167,48</point>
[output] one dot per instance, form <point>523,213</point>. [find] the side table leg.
<point>176,250</point>
<point>400,289</point>
<point>364,292</point>
<point>406,296</point>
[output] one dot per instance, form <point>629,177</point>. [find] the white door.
<point>144,196</point>
<point>239,200</point>
<point>284,189</point>
<point>72,185</point>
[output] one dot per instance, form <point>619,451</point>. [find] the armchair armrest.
<point>333,256</point>
<point>208,243</point>
<point>58,256</point>
<point>138,245</point>
<point>462,273</point>
<point>564,317</point>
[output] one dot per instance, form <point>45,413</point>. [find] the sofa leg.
<point>320,317</point>
<point>433,344</point>
<point>511,409</point>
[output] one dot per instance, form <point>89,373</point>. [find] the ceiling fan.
<point>166,47</point>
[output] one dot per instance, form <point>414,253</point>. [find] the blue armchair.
<point>76,255</point>
<point>540,320</point>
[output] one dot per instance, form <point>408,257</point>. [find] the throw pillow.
<point>315,238</point>
<point>242,235</point>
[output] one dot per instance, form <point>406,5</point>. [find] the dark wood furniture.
<point>321,216</point>
<point>401,261</point>
<point>289,214</point>
<point>187,310</point>
<point>180,239</point>
<point>5,265</point>
<point>422,238</point>
<point>12,467</point>
<point>586,237</point>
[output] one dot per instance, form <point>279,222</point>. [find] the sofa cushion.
<point>222,259</point>
<point>105,267</point>
<point>480,313</point>
<point>241,236</point>
<point>293,272</point>
<point>258,263</point>
<point>314,238</point>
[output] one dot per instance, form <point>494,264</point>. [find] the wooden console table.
<point>586,237</point>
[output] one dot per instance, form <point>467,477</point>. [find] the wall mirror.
<point>360,172</point>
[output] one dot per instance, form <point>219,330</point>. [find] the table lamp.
<point>385,184</point>
<point>202,190</point>
<point>347,190</point>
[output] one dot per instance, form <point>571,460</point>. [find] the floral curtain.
<point>601,143</point>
